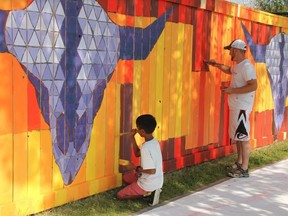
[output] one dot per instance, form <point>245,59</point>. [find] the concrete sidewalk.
<point>265,192</point>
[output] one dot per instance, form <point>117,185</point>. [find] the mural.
<point>70,52</point>
<point>275,56</point>
<point>75,74</point>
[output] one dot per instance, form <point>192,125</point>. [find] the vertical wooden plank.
<point>91,159</point>
<point>100,139</point>
<point>192,138</point>
<point>179,80</point>
<point>137,79</point>
<point>6,176</point>
<point>173,81</point>
<point>117,128</point>
<point>20,97</point>
<point>186,86</point>
<point>20,166</point>
<point>159,76</point>
<point>152,77</point>
<point>6,94</point>
<point>46,162</point>
<point>202,109</point>
<point>110,129</point>
<point>145,78</point>
<point>166,81</point>
<point>33,163</point>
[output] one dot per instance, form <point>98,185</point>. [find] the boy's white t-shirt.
<point>241,73</point>
<point>151,158</point>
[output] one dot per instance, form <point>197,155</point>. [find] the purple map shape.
<point>69,50</point>
<point>275,55</point>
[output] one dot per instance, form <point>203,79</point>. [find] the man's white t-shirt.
<point>241,73</point>
<point>151,158</point>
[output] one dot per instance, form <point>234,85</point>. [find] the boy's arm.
<point>148,171</point>
<point>136,149</point>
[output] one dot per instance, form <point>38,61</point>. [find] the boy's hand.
<point>133,132</point>
<point>130,166</point>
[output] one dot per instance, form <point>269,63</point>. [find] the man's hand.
<point>227,90</point>
<point>212,62</point>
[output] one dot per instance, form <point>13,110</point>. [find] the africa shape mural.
<point>70,52</point>
<point>76,74</point>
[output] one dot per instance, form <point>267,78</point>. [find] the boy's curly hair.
<point>146,122</point>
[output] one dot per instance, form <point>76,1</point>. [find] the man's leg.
<point>245,146</point>
<point>239,152</point>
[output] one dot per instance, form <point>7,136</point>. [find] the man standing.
<point>241,94</point>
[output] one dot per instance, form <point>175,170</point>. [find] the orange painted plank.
<point>34,114</point>
<point>14,4</point>
<point>110,129</point>
<point>6,109</point>
<point>192,139</point>
<point>20,97</point>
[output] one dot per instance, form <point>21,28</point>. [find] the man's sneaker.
<point>154,197</point>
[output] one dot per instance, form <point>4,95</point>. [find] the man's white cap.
<point>237,44</point>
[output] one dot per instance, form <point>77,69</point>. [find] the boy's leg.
<point>131,191</point>
<point>129,178</point>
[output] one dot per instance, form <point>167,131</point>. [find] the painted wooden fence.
<point>76,74</point>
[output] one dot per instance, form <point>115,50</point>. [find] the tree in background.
<point>272,6</point>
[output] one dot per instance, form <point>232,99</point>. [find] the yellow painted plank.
<point>6,176</point>
<point>20,168</point>
<point>152,79</point>
<point>100,138</point>
<point>46,162</point>
<point>91,159</point>
<point>186,86</point>
<point>264,98</point>
<point>179,79</point>
<point>60,197</point>
<point>137,80</point>
<point>159,76</point>
<point>34,163</point>
<point>117,129</point>
<point>145,91</point>
<point>173,81</point>
<point>166,81</point>
<point>137,89</point>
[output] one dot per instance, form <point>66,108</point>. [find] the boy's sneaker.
<point>154,197</point>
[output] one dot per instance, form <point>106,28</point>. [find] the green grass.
<point>177,183</point>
